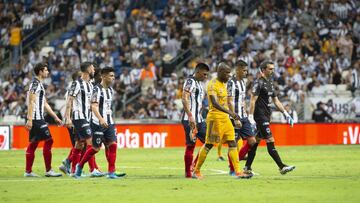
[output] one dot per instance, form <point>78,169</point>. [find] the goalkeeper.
<point>263,93</point>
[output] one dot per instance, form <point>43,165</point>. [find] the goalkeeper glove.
<point>289,120</point>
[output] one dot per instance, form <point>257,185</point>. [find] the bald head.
<point>223,72</point>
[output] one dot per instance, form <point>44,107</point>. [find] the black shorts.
<point>82,129</point>
<point>263,129</point>
<point>39,131</point>
<point>201,127</point>
<point>245,131</point>
<point>103,135</point>
<point>72,135</point>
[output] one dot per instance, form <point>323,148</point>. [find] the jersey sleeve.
<point>231,88</point>
<point>34,86</point>
<point>96,95</point>
<point>74,89</point>
<point>275,92</point>
<point>189,85</point>
<point>212,88</point>
<point>256,88</point>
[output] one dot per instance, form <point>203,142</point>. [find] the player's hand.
<point>68,123</point>
<point>251,119</point>
<point>28,125</point>
<point>238,123</point>
<point>235,116</point>
<point>193,133</point>
<point>192,122</point>
<point>58,121</point>
<point>289,120</point>
<point>103,123</point>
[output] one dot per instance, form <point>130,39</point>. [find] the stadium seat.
<point>67,42</point>
<point>66,35</point>
<point>330,88</point>
<point>45,50</point>
<point>115,54</point>
<point>56,42</point>
<point>341,88</point>
<point>90,28</point>
<point>91,35</point>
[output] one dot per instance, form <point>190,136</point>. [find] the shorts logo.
<point>47,132</point>
<point>98,140</point>
<point>88,131</point>
<point>268,130</point>
<point>84,125</point>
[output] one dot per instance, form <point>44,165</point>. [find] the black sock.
<point>274,154</point>
<point>251,156</point>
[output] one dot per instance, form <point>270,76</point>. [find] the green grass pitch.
<point>323,174</point>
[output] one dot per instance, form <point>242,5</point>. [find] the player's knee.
<point>79,145</point>
<point>97,149</point>
<point>251,141</point>
<point>232,143</point>
<point>270,139</point>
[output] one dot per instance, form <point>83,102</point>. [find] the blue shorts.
<point>103,135</point>
<point>39,131</point>
<point>201,127</point>
<point>246,129</point>
<point>82,129</point>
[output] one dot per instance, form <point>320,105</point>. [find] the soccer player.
<point>236,89</point>
<point>263,93</point>
<point>77,115</point>
<point>218,124</point>
<point>36,124</point>
<point>193,123</point>
<point>102,123</point>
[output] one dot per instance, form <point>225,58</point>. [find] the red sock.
<point>83,152</point>
<point>95,164</point>
<point>107,153</point>
<point>91,160</point>
<point>243,151</point>
<point>47,153</point>
<point>188,158</point>
<point>231,166</point>
<point>87,156</point>
<point>30,156</point>
<point>75,159</point>
<point>112,157</point>
<point>70,154</point>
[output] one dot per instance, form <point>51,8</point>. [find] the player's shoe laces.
<point>286,169</point>
<point>96,173</point>
<point>52,173</point>
<point>220,158</point>
<point>78,171</point>
<point>112,176</point>
<point>197,175</point>
<point>31,175</point>
<point>242,175</point>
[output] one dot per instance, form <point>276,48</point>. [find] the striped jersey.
<point>197,95</point>
<point>82,91</point>
<point>103,96</point>
<point>37,88</point>
<point>237,90</point>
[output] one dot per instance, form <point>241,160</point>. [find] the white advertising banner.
<point>4,137</point>
<point>338,107</point>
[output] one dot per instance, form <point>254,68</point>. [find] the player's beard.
<point>91,75</point>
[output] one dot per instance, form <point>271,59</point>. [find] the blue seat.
<point>115,54</point>
<point>66,35</point>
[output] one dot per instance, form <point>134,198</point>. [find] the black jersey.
<point>265,91</point>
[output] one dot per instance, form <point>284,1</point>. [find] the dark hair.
<point>202,66</point>
<point>75,75</point>
<point>84,66</point>
<point>264,65</point>
<point>39,67</point>
<point>107,70</point>
<point>241,63</point>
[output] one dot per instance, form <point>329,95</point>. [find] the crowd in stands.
<point>312,43</point>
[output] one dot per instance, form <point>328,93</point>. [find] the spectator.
<point>320,115</point>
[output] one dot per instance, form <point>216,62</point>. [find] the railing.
<point>29,40</point>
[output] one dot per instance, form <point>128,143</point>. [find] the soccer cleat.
<point>78,171</point>
<point>96,173</point>
<point>247,170</point>
<point>197,175</point>
<point>220,158</point>
<point>242,175</point>
<point>31,175</point>
<point>67,164</point>
<point>52,173</point>
<point>63,169</point>
<point>232,173</point>
<point>286,169</point>
<point>112,176</point>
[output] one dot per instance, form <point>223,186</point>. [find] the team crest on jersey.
<point>188,85</point>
